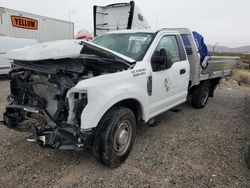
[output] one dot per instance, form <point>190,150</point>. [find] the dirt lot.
<point>191,148</point>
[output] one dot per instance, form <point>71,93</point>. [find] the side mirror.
<point>161,60</point>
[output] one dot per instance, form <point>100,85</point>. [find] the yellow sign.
<point>23,22</point>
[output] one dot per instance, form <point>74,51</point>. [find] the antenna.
<point>156,20</point>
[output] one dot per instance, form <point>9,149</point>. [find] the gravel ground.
<point>190,148</point>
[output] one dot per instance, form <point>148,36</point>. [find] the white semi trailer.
<point>19,29</point>
<point>10,43</point>
<point>18,24</point>
<point>118,16</point>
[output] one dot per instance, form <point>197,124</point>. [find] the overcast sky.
<point>223,21</point>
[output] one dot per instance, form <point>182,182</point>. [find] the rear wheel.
<point>200,95</point>
<point>115,137</point>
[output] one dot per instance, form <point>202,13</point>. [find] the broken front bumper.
<point>52,135</point>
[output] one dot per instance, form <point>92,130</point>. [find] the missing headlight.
<point>79,104</point>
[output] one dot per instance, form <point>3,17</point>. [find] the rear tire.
<point>200,95</point>
<point>115,136</point>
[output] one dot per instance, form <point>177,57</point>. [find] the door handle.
<point>182,71</point>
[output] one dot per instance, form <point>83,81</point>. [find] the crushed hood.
<point>64,49</point>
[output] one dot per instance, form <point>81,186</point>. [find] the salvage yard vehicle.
<point>10,43</point>
<point>78,95</point>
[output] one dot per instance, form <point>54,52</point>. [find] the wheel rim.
<point>204,97</point>
<point>122,138</point>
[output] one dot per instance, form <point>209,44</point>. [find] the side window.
<point>166,53</point>
<point>187,44</point>
<point>170,44</point>
<point>140,17</point>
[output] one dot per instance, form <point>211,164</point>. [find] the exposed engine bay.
<point>38,102</point>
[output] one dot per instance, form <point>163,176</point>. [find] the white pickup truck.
<point>76,94</point>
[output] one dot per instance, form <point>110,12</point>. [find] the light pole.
<point>70,12</point>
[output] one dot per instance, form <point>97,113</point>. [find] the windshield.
<point>133,45</point>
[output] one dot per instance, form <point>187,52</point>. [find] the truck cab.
<point>161,60</point>
<point>75,95</point>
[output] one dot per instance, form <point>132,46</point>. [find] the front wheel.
<point>200,95</point>
<point>115,136</point>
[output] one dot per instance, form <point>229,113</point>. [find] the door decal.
<point>149,85</point>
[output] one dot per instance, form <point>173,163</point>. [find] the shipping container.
<point>20,24</point>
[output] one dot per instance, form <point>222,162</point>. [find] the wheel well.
<point>133,105</point>
<point>213,83</point>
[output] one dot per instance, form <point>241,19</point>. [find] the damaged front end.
<point>44,129</point>
<point>38,102</point>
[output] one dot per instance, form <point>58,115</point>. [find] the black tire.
<point>200,95</point>
<point>117,125</point>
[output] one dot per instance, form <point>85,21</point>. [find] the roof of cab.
<point>144,31</point>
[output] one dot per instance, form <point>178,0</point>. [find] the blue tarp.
<point>201,45</point>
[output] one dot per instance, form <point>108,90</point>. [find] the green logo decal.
<point>166,83</point>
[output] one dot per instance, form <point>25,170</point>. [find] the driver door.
<point>170,77</point>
